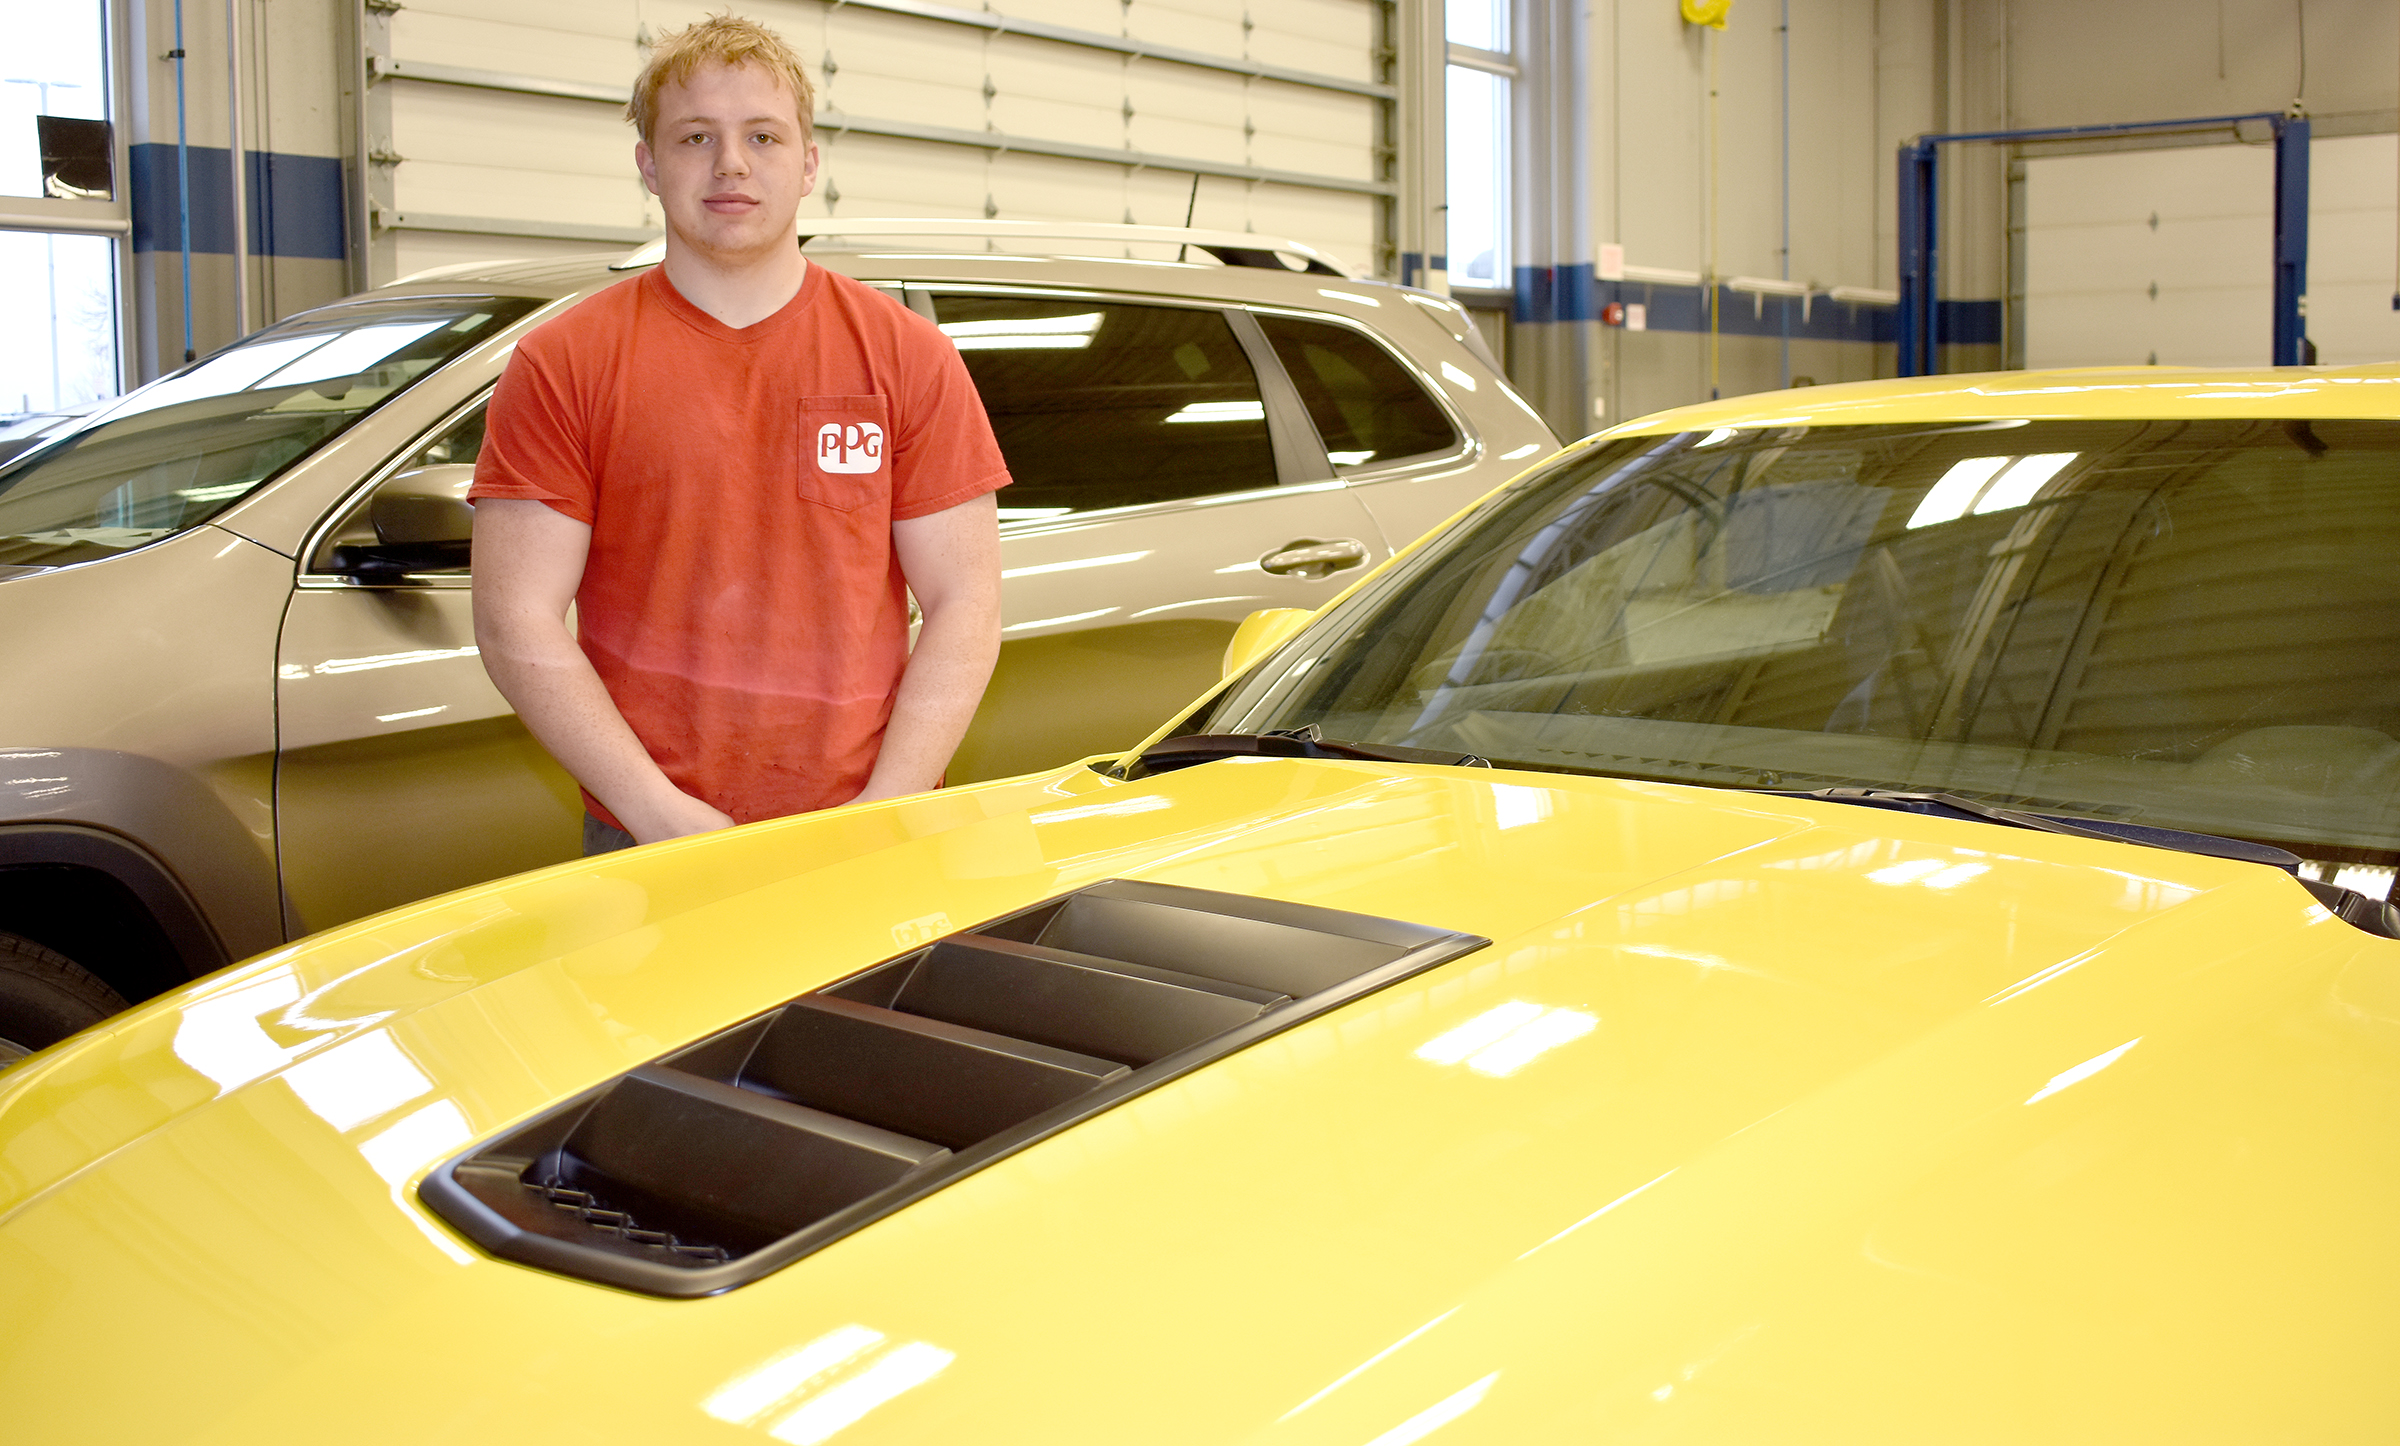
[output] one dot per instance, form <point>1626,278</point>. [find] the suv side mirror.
<point>423,523</point>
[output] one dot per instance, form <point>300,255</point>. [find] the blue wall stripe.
<point>1573,293</point>
<point>295,202</point>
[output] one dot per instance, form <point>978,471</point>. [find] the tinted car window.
<point>1367,407</point>
<point>1098,404</point>
<point>2194,624</point>
<point>177,452</point>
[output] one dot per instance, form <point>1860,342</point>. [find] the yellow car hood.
<point>1848,1125</point>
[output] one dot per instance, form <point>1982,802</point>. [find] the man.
<point>732,465</point>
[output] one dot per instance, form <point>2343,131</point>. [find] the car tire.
<point>44,997</point>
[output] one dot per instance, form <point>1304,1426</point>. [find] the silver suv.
<point>236,603</point>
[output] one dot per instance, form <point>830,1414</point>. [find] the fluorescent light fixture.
<point>2016,486</point>
<point>750,1395</point>
<point>1525,451</point>
<point>1348,459</point>
<point>1458,375</point>
<point>1076,565</point>
<point>1484,1029</point>
<point>1221,412</point>
<point>1988,484</point>
<point>350,353</point>
<point>1721,434</point>
<point>1435,1417</point>
<point>356,1080</point>
<point>1331,294</point>
<point>1504,1039</point>
<point>1032,333</point>
<point>1057,622</point>
<point>2082,1071</point>
<point>903,1368</point>
<point>1957,491</point>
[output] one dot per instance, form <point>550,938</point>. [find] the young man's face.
<point>729,160</point>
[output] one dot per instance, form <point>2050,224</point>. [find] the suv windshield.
<point>2190,624</point>
<point>184,448</point>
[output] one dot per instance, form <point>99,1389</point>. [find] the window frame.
<point>1299,455</point>
<point>1469,447</point>
<point>316,579</point>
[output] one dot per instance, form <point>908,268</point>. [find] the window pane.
<point>457,445</point>
<point>59,311</point>
<point>1097,405</point>
<point>1367,407</point>
<point>1480,23</point>
<point>188,446</point>
<point>56,65</point>
<point>1478,179</point>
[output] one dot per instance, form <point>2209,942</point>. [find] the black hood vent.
<point>735,1156</point>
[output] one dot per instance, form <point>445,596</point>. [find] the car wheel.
<point>44,997</point>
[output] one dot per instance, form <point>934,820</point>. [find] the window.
<point>188,446</point>
<point>1476,110</point>
<point>1104,405</point>
<point>1368,409</point>
<point>59,309</point>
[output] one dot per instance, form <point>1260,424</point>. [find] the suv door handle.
<point>1313,558</point>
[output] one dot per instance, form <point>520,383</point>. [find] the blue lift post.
<point>1920,229</point>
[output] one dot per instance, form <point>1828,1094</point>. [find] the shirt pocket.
<point>844,451</point>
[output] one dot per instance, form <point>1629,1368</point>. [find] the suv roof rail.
<point>1234,248</point>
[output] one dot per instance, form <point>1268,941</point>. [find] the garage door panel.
<point>423,250</point>
<point>544,133</point>
<point>1050,189</point>
<point>614,19</point>
<point>506,193</point>
<point>1212,27</point>
<point>1330,37</point>
<point>1105,16</point>
<point>879,176</point>
<point>509,158</point>
<point>898,68</point>
<point>483,42</point>
<point>1343,224</point>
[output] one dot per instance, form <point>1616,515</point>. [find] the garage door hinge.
<point>383,157</point>
<point>385,6</point>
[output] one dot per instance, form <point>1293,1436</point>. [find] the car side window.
<point>1370,411</point>
<point>455,445</point>
<point>1102,404</point>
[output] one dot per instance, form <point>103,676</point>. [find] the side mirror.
<point>1260,634</point>
<point>423,523</point>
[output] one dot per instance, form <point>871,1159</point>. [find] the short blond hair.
<point>728,40</point>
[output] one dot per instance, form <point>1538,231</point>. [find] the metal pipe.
<point>1784,32</point>
<point>236,167</point>
<point>183,181</point>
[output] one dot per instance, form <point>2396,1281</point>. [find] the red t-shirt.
<point>742,602</point>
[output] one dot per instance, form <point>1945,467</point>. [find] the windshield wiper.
<point>2363,910</point>
<point>1302,742</point>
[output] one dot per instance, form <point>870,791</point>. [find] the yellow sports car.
<point>1855,916</point>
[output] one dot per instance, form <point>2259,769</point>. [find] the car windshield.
<point>184,448</point>
<point>2190,624</point>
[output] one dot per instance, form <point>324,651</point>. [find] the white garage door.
<point>2163,256</point>
<point>498,132</point>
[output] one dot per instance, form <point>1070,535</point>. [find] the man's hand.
<point>952,563</point>
<point>528,563</point>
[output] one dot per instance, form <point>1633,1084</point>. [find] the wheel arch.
<point>107,903</point>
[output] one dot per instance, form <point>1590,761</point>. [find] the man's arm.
<point>952,563</point>
<point>528,562</point>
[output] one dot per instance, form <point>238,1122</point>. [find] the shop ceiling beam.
<point>838,123</point>
<point>1920,227</point>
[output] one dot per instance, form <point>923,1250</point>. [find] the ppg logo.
<point>849,447</point>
